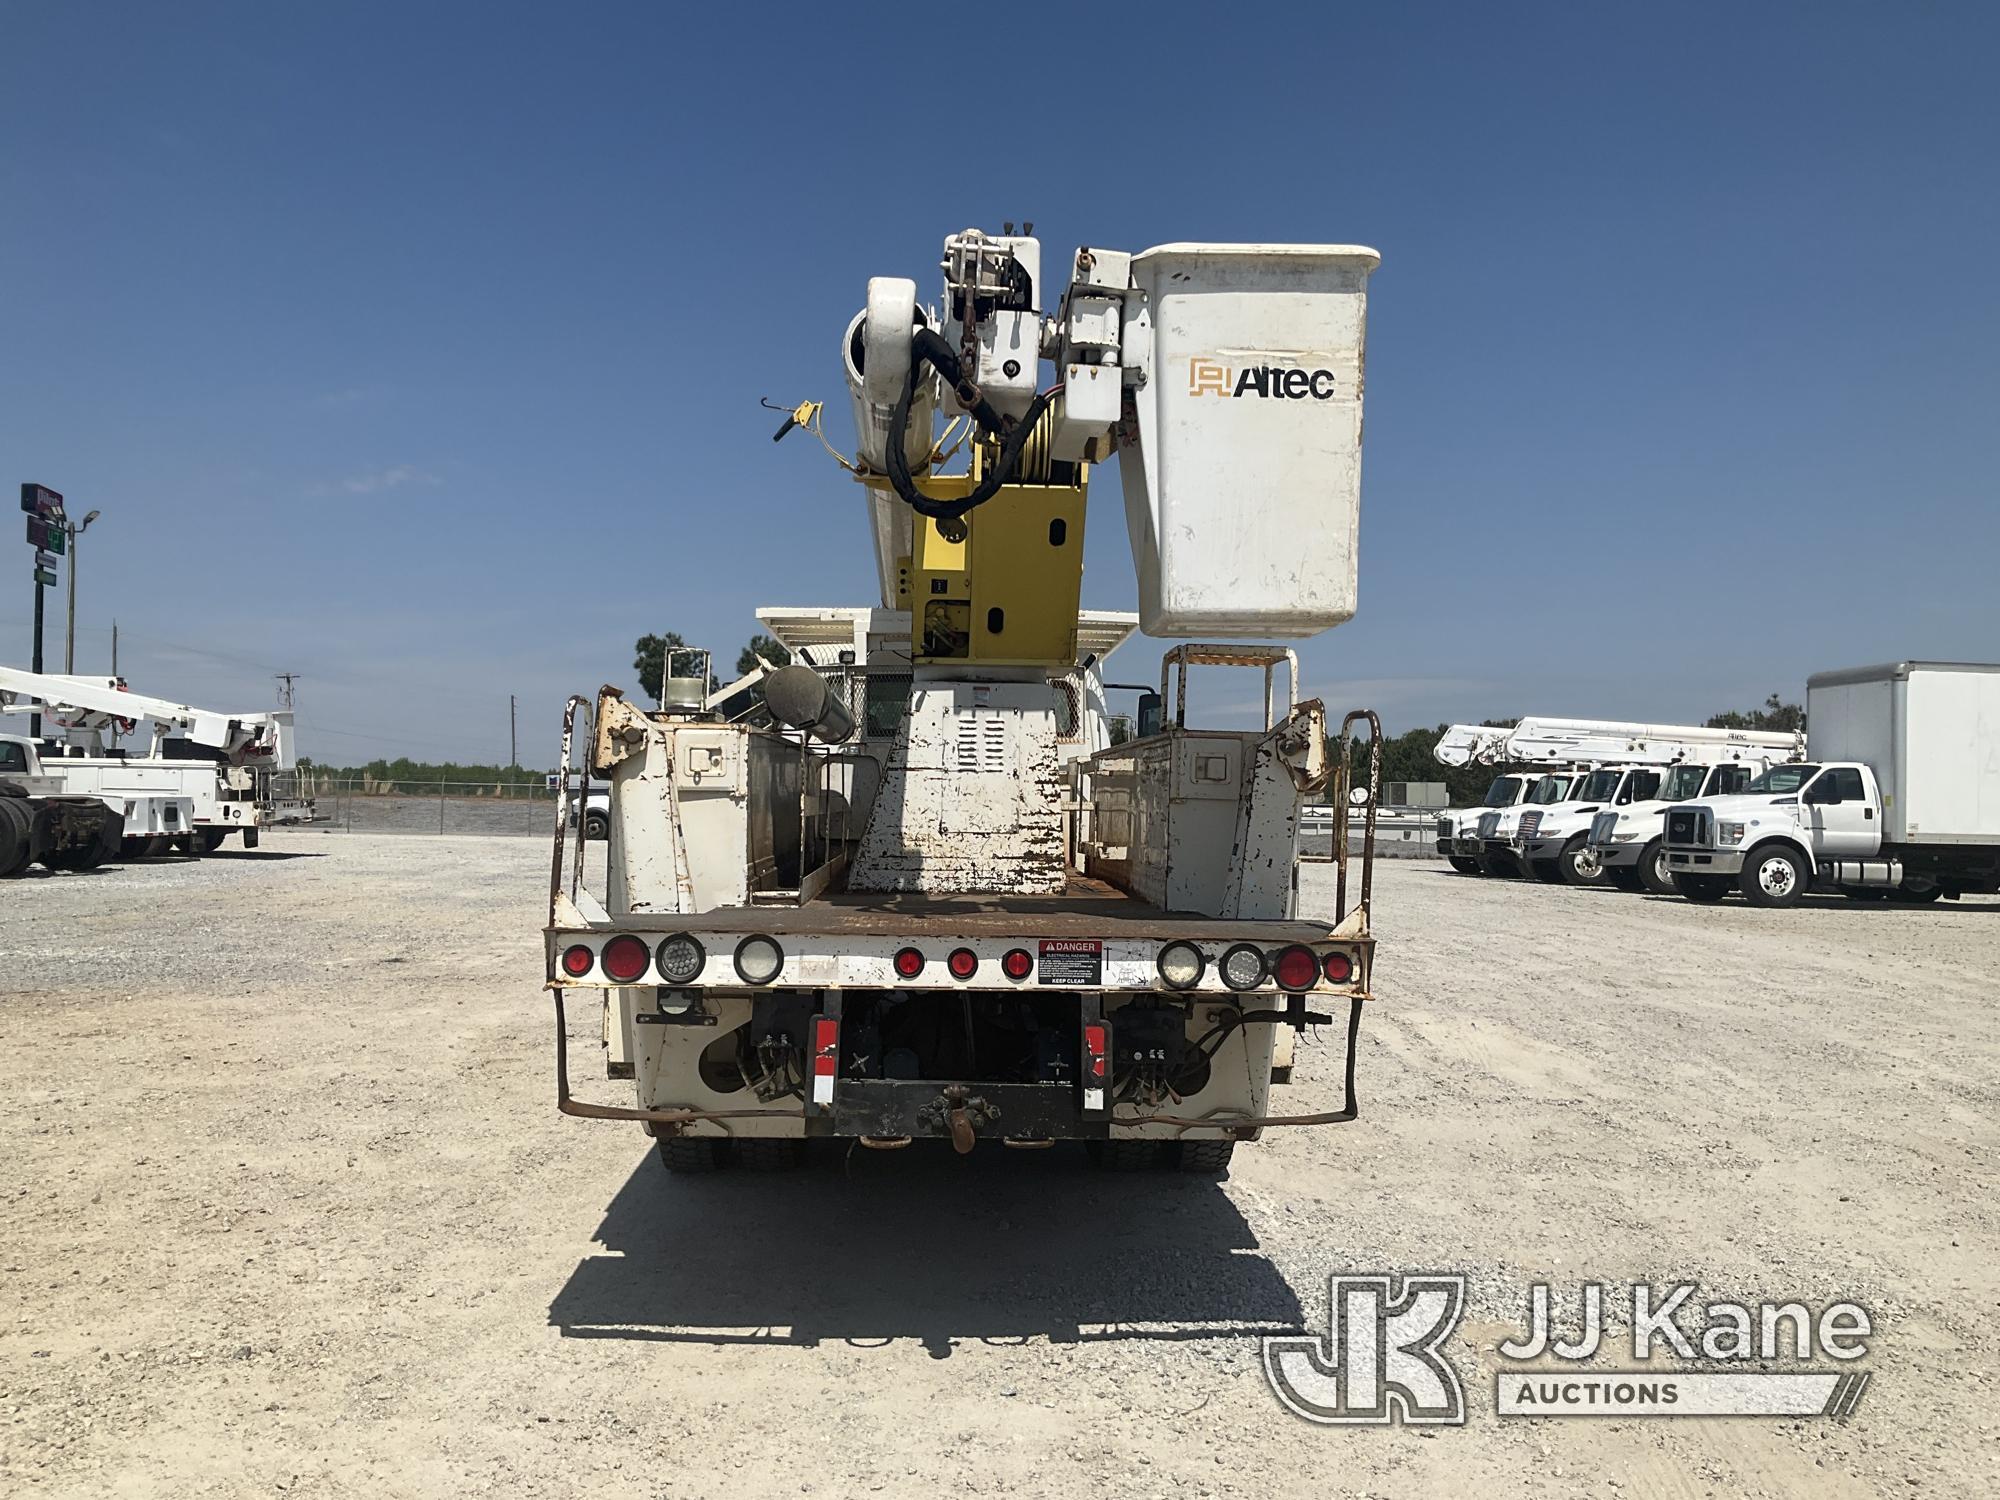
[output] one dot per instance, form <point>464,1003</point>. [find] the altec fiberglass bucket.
<point>1243,496</point>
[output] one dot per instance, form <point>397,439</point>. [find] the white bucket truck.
<point>930,900</point>
<point>1898,796</point>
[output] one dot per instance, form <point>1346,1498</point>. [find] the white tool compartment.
<point>1243,493</point>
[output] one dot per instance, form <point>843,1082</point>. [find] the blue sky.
<point>417,349</point>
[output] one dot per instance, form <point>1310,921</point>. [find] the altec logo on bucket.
<point>1208,377</point>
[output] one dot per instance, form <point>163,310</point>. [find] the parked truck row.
<point>1892,792</point>
<point>184,778</point>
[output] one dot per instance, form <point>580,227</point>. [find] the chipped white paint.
<point>972,797</point>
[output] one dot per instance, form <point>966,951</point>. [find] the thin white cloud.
<point>377,480</point>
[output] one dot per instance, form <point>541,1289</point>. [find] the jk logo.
<point>1382,1358</point>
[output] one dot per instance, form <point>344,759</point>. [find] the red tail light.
<point>1339,968</point>
<point>963,963</point>
<point>625,958</point>
<point>1096,1052</point>
<point>576,961</point>
<point>1017,963</point>
<point>1296,969</point>
<point>909,962</point>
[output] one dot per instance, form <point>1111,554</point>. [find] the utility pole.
<point>69,636</point>
<point>285,681</point>
<point>513,743</point>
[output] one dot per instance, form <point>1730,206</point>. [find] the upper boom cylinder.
<point>799,698</point>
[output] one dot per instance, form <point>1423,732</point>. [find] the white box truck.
<point>1898,796</point>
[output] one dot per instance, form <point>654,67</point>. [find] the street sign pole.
<point>35,719</point>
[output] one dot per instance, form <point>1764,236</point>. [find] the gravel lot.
<point>289,1210</point>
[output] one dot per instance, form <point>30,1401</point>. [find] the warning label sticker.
<point>1074,962</point>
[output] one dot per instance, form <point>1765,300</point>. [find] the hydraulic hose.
<point>927,347</point>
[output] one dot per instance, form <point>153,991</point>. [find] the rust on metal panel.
<point>1342,774</point>
<point>1084,908</point>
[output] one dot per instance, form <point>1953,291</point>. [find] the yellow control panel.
<point>1001,584</point>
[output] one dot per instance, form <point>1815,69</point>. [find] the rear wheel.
<point>211,839</point>
<point>1654,875</point>
<point>134,846</point>
<point>1206,1158</point>
<point>596,826</point>
<point>1465,866</point>
<point>1125,1156</point>
<point>1705,889</point>
<point>1579,864</point>
<point>685,1153</point>
<point>1772,876</point>
<point>1625,877</point>
<point>17,840</point>
<point>1918,895</point>
<point>1548,871</point>
<point>765,1155</point>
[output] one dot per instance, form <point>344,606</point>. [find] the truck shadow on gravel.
<point>919,1244</point>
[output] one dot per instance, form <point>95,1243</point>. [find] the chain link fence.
<point>371,806</point>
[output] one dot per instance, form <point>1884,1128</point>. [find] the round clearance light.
<point>909,963</point>
<point>625,958</point>
<point>1338,967</point>
<point>576,961</point>
<point>1180,966</point>
<point>963,963</point>
<point>758,960</point>
<point>1243,967</point>
<point>1017,963</point>
<point>680,959</point>
<point>1296,968</point>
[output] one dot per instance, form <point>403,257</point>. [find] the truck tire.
<point>1577,865</point>
<point>1918,896</point>
<point>1548,871</point>
<point>759,1154</point>
<point>1773,875</point>
<point>17,843</point>
<point>1654,876</point>
<point>1206,1158</point>
<point>689,1153</point>
<point>1465,866</point>
<point>596,826</point>
<point>1125,1156</point>
<point>1625,877</point>
<point>1704,889</point>
<point>211,838</point>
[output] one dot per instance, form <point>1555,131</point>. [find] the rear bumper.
<point>1705,861</point>
<point>884,1109</point>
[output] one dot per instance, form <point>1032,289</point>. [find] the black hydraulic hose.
<point>929,348</point>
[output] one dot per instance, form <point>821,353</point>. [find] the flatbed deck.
<point>1087,908</point>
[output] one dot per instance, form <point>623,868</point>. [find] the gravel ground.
<point>288,1210</point>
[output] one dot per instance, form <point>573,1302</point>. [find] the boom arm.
<point>92,705</point>
<point>1594,740</point>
